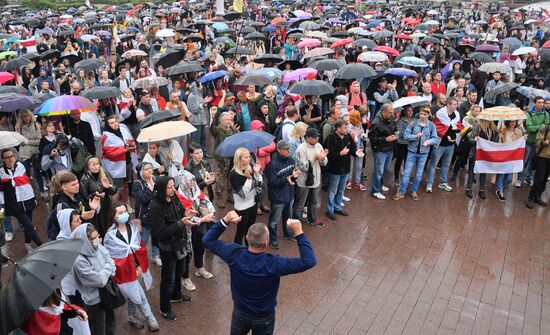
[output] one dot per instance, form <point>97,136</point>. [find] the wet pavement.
<point>442,265</point>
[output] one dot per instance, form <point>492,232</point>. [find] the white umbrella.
<point>524,51</point>
<point>10,139</point>
<point>372,56</point>
<point>493,67</point>
<point>165,130</point>
<point>149,82</point>
<point>88,38</point>
<point>166,33</point>
<point>413,101</point>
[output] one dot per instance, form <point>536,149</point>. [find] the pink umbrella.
<point>300,74</point>
<point>318,52</point>
<point>5,77</point>
<point>309,43</point>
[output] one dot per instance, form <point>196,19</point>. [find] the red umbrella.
<point>546,45</point>
<point>132,12</point>
<point>387,50</point>
<point>341,43</point>
<point>5,77</point>
<point>409,21</point>
<point>403,37</point>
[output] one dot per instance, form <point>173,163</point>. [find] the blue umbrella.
<point>413,61</point>
<point>213,76</point>
<point>251,140</point>
<point>270,72</point>
<point>402,72</point>
<point>132,29</point>
<point>220,26</point>
<point>269,29</point>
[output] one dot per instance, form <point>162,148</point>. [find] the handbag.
<point>110,295</point>
<point>310,179</point>
<point>535,156</point>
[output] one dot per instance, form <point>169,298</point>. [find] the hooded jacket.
<point>199,114</point>
<point>143,195</point>
<point>279,190</point>
<point>92,268</point>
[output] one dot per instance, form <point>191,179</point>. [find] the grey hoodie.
<point>199,115</point>
<point>92,267</point>
<point>64,219</point>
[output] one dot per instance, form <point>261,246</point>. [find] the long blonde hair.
<point>102,172</point>
<point>237,160</point>
<point>300,127</point>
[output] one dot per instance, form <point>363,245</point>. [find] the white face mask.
<point>96,243</point>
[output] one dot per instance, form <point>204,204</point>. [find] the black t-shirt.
<point>315,112</point>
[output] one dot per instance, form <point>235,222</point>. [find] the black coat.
<point>338,164</point>
<point>82,131</point>
<point>379,130</point>
<point>90,185</point>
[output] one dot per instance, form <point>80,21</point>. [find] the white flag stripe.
<point>495,167</point>
<point>493,146</point>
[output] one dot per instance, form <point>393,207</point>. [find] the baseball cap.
<point>312,132</point>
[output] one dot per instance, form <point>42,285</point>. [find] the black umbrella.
<point>326,64</point>
<point>544,54</point>
<point>365,42</point>
<point>89,65</point>
<point>49,54</point>
<point>158,117</point>
<point>101,92</point>
<point>481,57</point>
<point>186,30</point>
<point>373,85</point>
<point>266,58</point>
<point>255,36</point>
<point>404,54</point>
<point>69,32</point>
<point>73,59</point>
<point>294,64</point>
<point>13,89</point>
<point>232,16</point>
<point>253,79</point>
<point>170,58</point>
<point>340,34</point>
<point>31,55</point>
<point>181,68</point>
<point>44,97</point>
<point>239,51</point>
<point>355,71</point>
<point>126,37</point>
<point>34,279</point>
<point>430,39</point>
<point>192,38</point>
<point>12,103</point>
<point>15,63</point>
<point>247,30</point>
<point>312,87</point>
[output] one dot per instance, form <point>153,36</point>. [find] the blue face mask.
<point>123,218</point>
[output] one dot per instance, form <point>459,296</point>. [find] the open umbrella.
<point>193,38</point>
<point>165,130</point>
<point>402,36</point>
<point>181,68</point>
<point>239,51</point>
<point>255,36</point>
<point>9,139</point>
<point>101,92</point>
<point>481,57</point>
<point>495,67</point>
<point>312,87</point>
<point>512,41</point>
<point>365,42</point>
<point>341,42</point>
<point>413,101</point>
<point>31,55</point>
<point>486,47</point>
<point>355,71</point>
<point>382,34</point>
<point>5,77</point>
<point>213,76</point>
<point>166,33</point>
<point>326,64</point>
<point>49,54</point>
<point>64,104</point>
<point>158,117</point>
<point>318,52</point>
<point>270,72</point>
<point>6,54</point>
<point>253,79</point>
<point>309,43</point>
<point>309,25</point>
<point>134,53</point>
<point>503,88</point>
<point>89,65</point>
<point>387,50</point>
<point>148,82</point>
<point>13,103</point>
<point>170,58</point>
<point>71,57</point>
<point>430,39</point>
<point>223,40</point>
<point>413,61</point>
<point>501,113</point>
<point>15,63</point>
<point>34,279</point>
<point>251,140</point>
<point>299,74</point>
<point>13,89</point>
<point>402,72</point>
<point>372,56</point>
<point>524,51</point>
<point>266,58</point>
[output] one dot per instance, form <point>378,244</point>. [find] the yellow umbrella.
<point>165,130</point>
<point>502,113</point>
<point>354,29</point>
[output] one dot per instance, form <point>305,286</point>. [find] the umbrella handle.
<point>70,306</point>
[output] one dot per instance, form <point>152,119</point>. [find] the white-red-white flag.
<point>30,44</point>
<point>492,157</point>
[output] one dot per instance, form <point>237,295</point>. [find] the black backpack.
<point>279,131</point>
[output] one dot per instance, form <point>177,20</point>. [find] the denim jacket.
<point>428,133</point>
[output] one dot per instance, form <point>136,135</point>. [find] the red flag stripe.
<point>500,156</point>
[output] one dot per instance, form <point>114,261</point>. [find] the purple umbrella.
<point>485,47</point>
<point>447,67</point>
<point>299,74</point>
<point>334,20</point>
<point>402,72</point>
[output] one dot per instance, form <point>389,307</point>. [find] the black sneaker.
<point>529,203</point>
<point>292,238</point>
<point>183,298</point>
<point>482,194</point>
<point>500,196</point>
<point>341,212</point>
<point>170,315</point>
<point>317,224</point>
<point>541,202</point>
<point>331,216</point>
<point>469,194</point>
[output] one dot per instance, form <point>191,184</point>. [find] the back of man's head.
<point>257,235</point>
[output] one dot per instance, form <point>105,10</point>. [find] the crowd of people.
<point>406,83</point>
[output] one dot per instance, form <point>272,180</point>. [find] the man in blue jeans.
<point>447,122</point>
<point>382,136</point>
<point>281,175</point>
<point>340,148</point>
<point>255,274</point>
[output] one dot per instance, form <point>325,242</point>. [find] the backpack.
<point>52,226</point>
<point>279,131</point>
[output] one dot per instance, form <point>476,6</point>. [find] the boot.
<point>541,202</point>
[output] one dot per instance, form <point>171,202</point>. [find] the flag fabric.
<point>238,6</point>
<point>492,157</point>
<point>30,44</point>
<point>442,121</point>
<point>116,40</point>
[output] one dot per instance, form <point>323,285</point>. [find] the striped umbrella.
<point>64,104</point>
<point>502,113</point>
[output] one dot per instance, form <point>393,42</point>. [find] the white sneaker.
<point>304,215</point>
<point>28,247</point>
<point>384,188</point>
<point>379,196</point>
<point>345,198</point>
<point>188,284</point>
<point>9,237</point>
<point>203,273</point>
<point>429,189</point>
<point>445,187</point>
<point>157,260</point>
<point>518,184</point>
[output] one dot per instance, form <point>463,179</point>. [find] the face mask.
<point>95,243</point>
<point>123,218</point>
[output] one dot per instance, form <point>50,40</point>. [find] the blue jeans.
<point>336,186</point>
<point>145,235</point>
<point>382,161</point>
<point>527,173</point>
<point>199,137</point>
<point>37,173</point>
<point>413,159</point>
<point>355,175</point>
<point>144,307</point>
<point>503,180</point>
<point>445,154</point>
<point>242,323</point>
<point>278,212</point>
